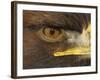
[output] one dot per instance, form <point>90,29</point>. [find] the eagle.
<point>56,39</point>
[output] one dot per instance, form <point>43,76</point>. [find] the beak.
<point>78,50</point>
<point>73,51</point>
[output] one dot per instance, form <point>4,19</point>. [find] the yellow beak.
<point>78,50</point>
<point>73,51</point>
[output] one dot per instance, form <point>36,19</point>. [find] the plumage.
<point>46,33</point>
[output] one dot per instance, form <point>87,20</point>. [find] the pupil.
<point>52,31</point>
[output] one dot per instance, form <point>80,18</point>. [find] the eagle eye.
<point>51,34</point>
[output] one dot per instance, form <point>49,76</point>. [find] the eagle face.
<point>55,39</point>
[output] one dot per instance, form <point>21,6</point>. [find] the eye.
<point>51,34</point>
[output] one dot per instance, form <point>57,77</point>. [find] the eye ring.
<point>50,34</point>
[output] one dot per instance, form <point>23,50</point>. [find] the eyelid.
<point>53,25</point>
<point>50,25</point>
